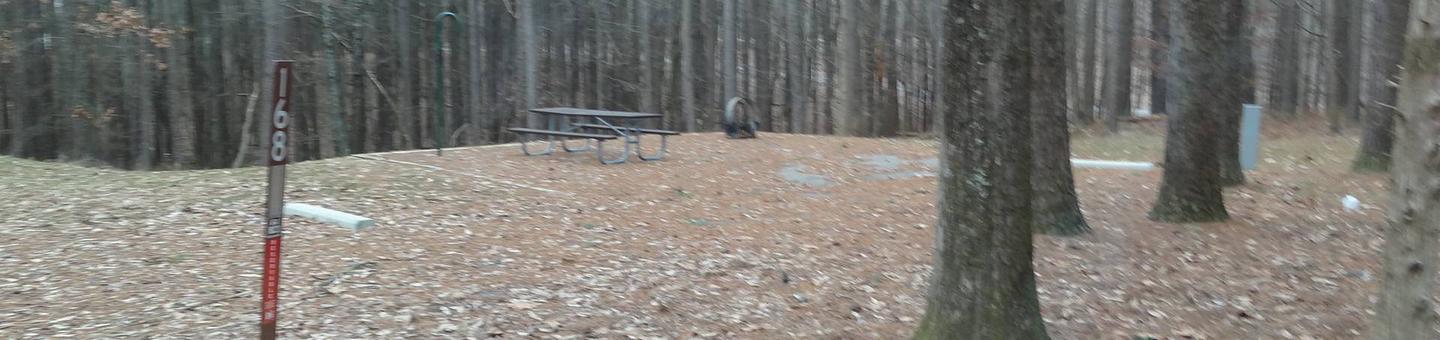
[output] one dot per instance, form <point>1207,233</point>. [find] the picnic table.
<point>599,126</point>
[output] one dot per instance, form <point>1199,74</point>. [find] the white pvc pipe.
<point>1099,164</point>
<point>354,222</point>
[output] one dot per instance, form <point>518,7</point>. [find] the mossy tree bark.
<point>1190,190</point>
<point>1056,208</point>
<point>1406,309</point>
<point>983,286</point>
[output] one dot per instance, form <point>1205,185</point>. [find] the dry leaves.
<point>711,243</point>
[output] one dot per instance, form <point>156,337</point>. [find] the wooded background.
<point>166,84</point>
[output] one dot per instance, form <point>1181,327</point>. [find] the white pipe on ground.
<point>1099,164</point>
<point>354,222</point>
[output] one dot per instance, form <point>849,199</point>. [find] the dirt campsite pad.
<point>778,237</point>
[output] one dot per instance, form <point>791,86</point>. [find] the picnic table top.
<point>570,111</point>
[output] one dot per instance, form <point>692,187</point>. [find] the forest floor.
<point>785,236</point>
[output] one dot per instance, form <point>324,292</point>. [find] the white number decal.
<point>282,118</point>
<point>277,146</point>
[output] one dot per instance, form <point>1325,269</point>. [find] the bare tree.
<point>728,69</point>
<point>1406,309</point>
<point>177,85</point>
<point>532,60</point>
<point>687,64</point>
<point>648,100</point>
<point>1285,74</point>
<point>1056,207</point>
<point>1348,32</point>
<point>983,283</point>
<point>1190,188</point>
<point>845,107</point>
<point>796,75</point>
<point>1160,54</point>
<point>1089,61</point>
<point>1239,90</point>
<point>1389,19</point>
<point>1119,63</point>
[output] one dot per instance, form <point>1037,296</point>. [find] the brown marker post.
<point>279,155</point>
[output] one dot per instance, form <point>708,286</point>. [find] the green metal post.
<point>439,78</point>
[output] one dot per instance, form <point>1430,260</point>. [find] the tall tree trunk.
<point>983,282</point>
<point>728,69</point>
<point>845,107</point>
<point>1285,79</point>
<point>1228,116</point>
<point>887,114</point>
<point>177,86</point>
<point>1387,36</point>
<point>648,85</point>
<point>687,64</point>
<point>209,81</point>
<point>137,74</point>
<point>599,51</point>
<point>796,77</point>
<point>1190,188</point>
<point>1349,32</point>
<point>1160,55</point>
<point>1089,62</point>
<point>1116,94</point>
<point>21,85</point>
<point>1406,307</point>
<point>233,40</point>
<point>1056,207</point>
<point>760,37</point>
<point>65,88</point>
<point>332,119</point>
<point>364,128</point>
<point>408,136</point>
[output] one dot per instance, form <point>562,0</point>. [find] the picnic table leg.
<point>659,155</point>
<point>524,147</point>
<point>567,147</point>
<point>600,152</point>
<point>550,145</point>
<point>625,139</point>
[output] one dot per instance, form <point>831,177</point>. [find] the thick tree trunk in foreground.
<point>1232,102</point>
<point>1056,208</point>
<point>1116,93</point>
<point>1387,37</point>
<point>1406,309</point>
<point>1190,189</point>
<point>983,285</point>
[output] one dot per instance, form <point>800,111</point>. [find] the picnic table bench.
<point>599,126</point>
